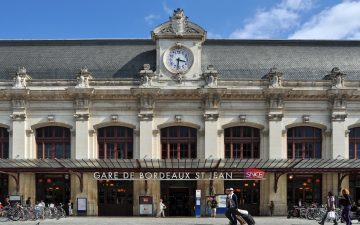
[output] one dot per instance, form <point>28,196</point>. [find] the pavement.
<point>276,220</point>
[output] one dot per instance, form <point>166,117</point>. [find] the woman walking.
<point>330,206</point>
<point>346,202</point>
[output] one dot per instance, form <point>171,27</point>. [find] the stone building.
<point>67,104</point>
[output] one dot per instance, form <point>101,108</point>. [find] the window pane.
<point>357,132</point>
<point>309,132</point>
<point>101,132</point>
<point>290,132</point>
<point>39,151</point>
<point>351,151</point>
<point>246,151</point>
<point>227,151</point>
<point>236,151</point>
<point>48,151</point>
<point>173,151</point>
<point>357,151</point>
<point>256,132</point>
<point>164,132</point>
<point>309,150</point>
<point>236,132</point>
<point>110,151</point>
<point>130,150</point>
<point>193,132</point>
<point>317,133</point>
<point>120,148</point>
<point>256,150</point>
<point>120,131</point>
<point>164,154</point>
<point>318,150</point>
<point>110,132</point>
<point>290,151</point>
<point>47,132</point>
<point>59,153</point>
<point>58,132</point>
<point>193,151</point>
<point>247,132</point>
<point>67,151</point>
<point>101,151</point>
<point>298,132</point>
<point>172,131</point>
<point>298,151</point>
<point>184,132</point>
<point>184,151</point>
<point>227,132</point>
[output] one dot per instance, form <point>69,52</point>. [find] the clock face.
<point>178,60</point>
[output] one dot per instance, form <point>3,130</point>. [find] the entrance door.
<point>53,188</point>
<point>115,198</point>
<point>179,197</point>
<point>4,187</point>
<point>248,194</point>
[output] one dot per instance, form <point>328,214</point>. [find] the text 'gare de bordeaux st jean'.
<point>110,121</point>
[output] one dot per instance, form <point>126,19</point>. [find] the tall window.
<point>178,143</point>
<point>354,143</point>
<point>242,142</point>
<point>304,143</point>
<point>53,142</point>
<point>4,143</point>
<point>115,142</point>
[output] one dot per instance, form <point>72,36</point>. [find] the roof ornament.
<point>337,78</point>
<point>21,78</point>
<point>83,78</point>
<point>178,21</point>
<point>146,75</point>
<point>274,77</point>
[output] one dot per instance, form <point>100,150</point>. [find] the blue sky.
<point>235,19</point>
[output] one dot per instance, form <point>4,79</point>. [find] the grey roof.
<point>234,59</point>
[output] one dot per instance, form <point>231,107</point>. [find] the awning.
<point>188,165</point>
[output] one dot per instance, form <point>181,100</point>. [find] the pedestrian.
<point>28,202</point>
<point>346,203</point>
<point>330,207</point>
<point>70,207</point>
<point>161,208</point>
<point>271,208</point>
<point>231,206</point>
<point>213,204</point>
<point>1,206</point>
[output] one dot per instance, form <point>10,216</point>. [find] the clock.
<point>178,59</point>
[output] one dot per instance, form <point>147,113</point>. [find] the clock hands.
<point>178,61</point>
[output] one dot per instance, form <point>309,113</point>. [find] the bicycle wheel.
<point>15,215</point>
<point>4,216</point>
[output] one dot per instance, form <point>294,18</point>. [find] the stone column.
<point>268,194</point>
<point>146,136</point>
<point>90,191</point>
<point>82,140</point>
<point>19,129</point>
<point>150,188</point>
<point>211,136</point>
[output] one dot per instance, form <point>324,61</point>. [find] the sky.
<point>222,19</point>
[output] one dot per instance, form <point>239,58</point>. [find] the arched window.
<point>178,142</point>
<point>304,143</point>
<point>4,143</point>
<point>354,143</point>
<point>242,142</point>
<point>115,142</point>
<point>53,142</point>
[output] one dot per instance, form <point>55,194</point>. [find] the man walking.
<point>231,206</point>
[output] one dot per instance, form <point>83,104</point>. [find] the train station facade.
<point>72,110</point>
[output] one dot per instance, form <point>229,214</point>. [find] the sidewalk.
<point>161,221</point>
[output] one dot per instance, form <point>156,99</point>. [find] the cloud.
<point>278,19</point>
<point>341,21</point>
<point>167,9</point>
<point>149,19</point>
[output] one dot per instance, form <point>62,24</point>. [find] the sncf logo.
<point>253,174</point>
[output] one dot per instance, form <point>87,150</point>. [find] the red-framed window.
<point>178,142</point>
<point>354,143</point>
<point>115,142</point>
<point>53,142</point>
<point>304,142</point>
<point>4,143</point>
<point>242,142</point>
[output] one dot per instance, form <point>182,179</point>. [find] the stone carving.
<point>147,102</point>
<point>212,101</point>
<point>275,116</point>
<point>211,116</point>
<point>145,116</point>
<point>179,24</point>
<point>338,117</point>
<point>146,75</point>
<point>19,103</point>
<point>339,103</point>
<point>274,77</point>
<point>82,103</point>
<point>179,77</point>
<point>337,78</point>
<point>81,116</point>
<point>276,103</point>
<point>211,76</point>
<point>83,78</point>
<point>21,78</point>
<point>18,116</point>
